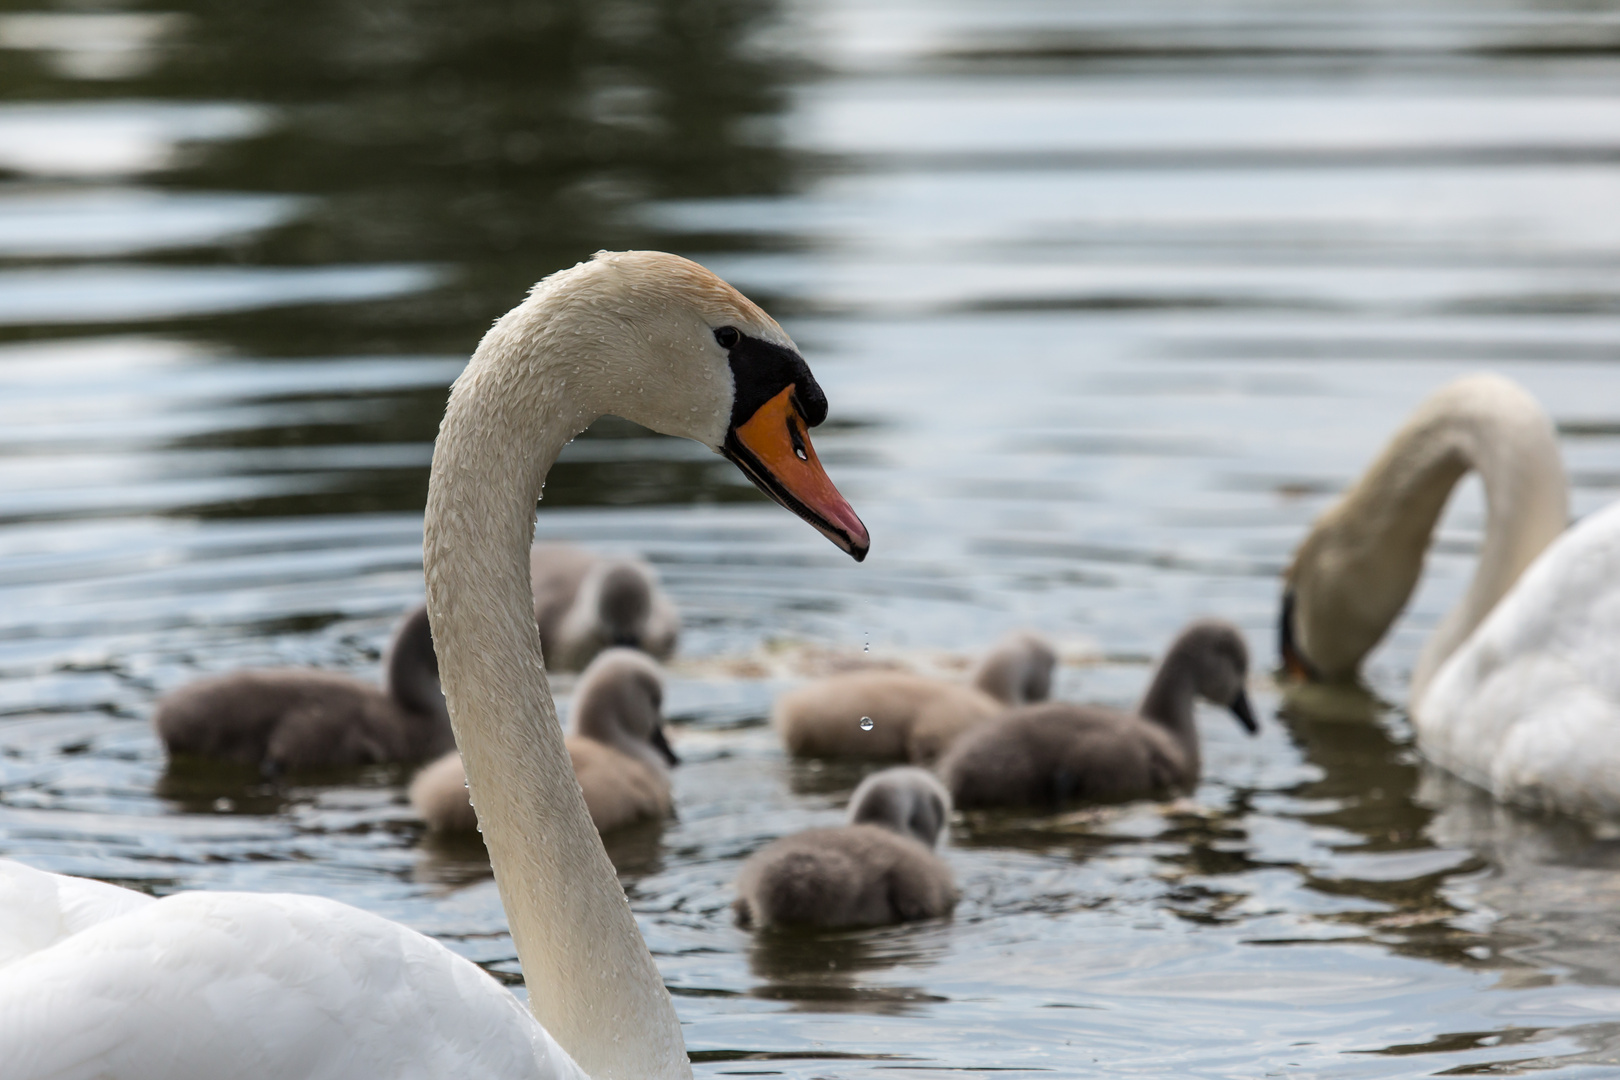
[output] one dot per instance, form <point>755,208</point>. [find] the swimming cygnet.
<point>584,603</point>
<point>304,719</point>
<point>621,758</point>
<point>880,868</point>
<point>1047,755</point>
<point>913,717</point>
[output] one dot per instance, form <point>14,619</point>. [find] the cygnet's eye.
<point>727,336</point>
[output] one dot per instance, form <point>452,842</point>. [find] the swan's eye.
<point>727,336</point>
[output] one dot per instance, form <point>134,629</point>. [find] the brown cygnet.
<point>621,758</point>
<point>1052,754</point>
<point>880,868</point>
<point>584,603</point>
<point>283,720</point>
<point>914,718</point>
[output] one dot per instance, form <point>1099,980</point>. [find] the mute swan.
<point>585,602</point>
<point>913,717</point>
<point>617,747</point>
<point>1516,691</point>
<point>1048,755</point>
<point>279,720</point>
<point>880,868</point>
<point>1361,561</point>
<point>271,987</point>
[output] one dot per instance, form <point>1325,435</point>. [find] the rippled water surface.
<point>1109,301</point>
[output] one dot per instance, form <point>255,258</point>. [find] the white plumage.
<point>1529,705</point>
<point>99,981</point>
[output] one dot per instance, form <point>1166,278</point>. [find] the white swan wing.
<point>41,909</point>
<point>262,986</point>
<point>1529,706</point>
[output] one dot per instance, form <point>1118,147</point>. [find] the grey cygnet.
<point>880,868</point>
<point>1057,753</point>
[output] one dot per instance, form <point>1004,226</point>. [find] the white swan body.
<point>100,981</point>
<point>1529,706</point>
<point>279,986</point>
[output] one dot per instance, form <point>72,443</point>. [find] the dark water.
<point>1109,300</point>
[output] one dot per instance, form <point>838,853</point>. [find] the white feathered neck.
<point>630,334</point>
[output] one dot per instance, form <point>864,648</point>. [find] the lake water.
<point>1109,301</point>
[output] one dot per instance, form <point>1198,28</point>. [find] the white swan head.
<point>711,366</point>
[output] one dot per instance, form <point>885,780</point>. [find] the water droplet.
<point>866,723</point>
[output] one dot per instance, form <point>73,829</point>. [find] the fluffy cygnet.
<point>880,868</point>
<point>584,603</point>
<point>621,758</point>
<point>914,718</point>
<point>1051,754</point>
<point>292,719</point>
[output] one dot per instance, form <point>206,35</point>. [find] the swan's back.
<point>1529,706</point>
<point>43,909</point>
<point>266,986</point>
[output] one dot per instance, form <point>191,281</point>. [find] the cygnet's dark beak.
<point>661,744</point>
<point>1245,714</point>
<point>626,641</point>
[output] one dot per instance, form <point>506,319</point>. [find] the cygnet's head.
<point>1215,656</point>
<point>1018,670</point>
<point>620,603</point>
<point>619,701</point>
<point>905,799</point>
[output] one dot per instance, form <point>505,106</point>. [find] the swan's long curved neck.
<point>591,980</point>
<point>1361,562</point>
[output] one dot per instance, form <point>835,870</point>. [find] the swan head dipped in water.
<point>1354,572</point>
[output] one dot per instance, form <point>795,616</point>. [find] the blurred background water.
<point>1109,300</point>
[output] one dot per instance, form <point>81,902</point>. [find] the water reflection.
<point>828,972</point>
<point>496,140</point>
<point>1110,301</point>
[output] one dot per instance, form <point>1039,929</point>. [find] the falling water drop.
<point>866,723</point>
